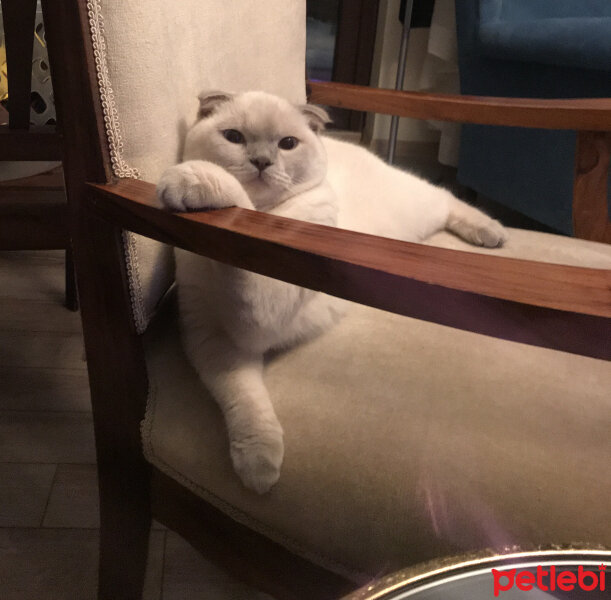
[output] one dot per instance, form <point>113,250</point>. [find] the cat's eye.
<point>288,143</point>
<point>233,136</point>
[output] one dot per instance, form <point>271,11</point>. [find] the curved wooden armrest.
<point>586,114</point>
<point>557,306</point>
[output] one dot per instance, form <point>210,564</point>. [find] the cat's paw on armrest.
<point>200,185</point>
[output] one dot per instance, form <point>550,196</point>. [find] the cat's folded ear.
<point>210,100</point>
<point>317,116</point>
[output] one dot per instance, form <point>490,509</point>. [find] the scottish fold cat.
<point>258,151</point>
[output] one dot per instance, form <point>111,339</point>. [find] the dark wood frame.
<point>33,214</point>
<point>554,306</point>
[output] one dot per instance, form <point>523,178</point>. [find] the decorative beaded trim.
<point>135,286</point>
<point>107,96</point>
<point>115,145</point>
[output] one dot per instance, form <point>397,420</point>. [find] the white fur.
<point>231,317</point>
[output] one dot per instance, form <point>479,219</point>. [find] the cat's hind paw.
<point>478,229</point>
<point>199,185</point>
<point>489,234</point>
<point>257,459</point>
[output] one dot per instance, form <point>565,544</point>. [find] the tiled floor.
<point>48,495</point>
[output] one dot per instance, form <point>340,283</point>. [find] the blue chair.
<point>530,48</point>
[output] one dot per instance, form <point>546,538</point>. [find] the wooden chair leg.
<point>119,387</point>
<point>71,290</point>
<point>125,521</point>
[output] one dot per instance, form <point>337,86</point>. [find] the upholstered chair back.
<point>153,58</point>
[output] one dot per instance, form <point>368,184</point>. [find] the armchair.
<point>428,452</point>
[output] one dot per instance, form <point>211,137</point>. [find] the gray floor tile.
<point>24,491</point>
<point>32,276</point>
<point>188,576</point>
<point>61,564</point>
<point>45,437</point>
<point>41,350</point>
<point>26,388</point>
<point>74,498</point>
<point>32,315</point>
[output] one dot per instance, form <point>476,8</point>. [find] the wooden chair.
<point>366,487</point>
<point>33,210</point>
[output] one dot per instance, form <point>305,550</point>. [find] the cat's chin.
<point>263,195</point>
<point>257,187</point>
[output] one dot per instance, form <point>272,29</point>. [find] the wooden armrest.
<point>556,306</point>
<point>586,114</point>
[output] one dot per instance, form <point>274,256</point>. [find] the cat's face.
<point>271,146</point>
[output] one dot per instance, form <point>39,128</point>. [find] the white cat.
<point>258,151</point>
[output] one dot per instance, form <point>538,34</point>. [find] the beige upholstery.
<point>406,440</point>
<point>153,59</point>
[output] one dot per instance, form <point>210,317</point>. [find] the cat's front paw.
<point>200,185</point>
<point>257,458</point>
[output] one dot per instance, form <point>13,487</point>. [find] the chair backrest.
<point>152,59</point>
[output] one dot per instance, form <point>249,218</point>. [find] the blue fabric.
<point>528,170</point>
<point>528,10</point>
<point>575,33</point>
<point>574,42</point>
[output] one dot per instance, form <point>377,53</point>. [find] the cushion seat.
<point>405,440</point>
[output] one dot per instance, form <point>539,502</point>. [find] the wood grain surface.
<point>590,204</point>
<point>578,114</point>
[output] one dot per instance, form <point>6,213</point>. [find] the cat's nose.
<point>261,163</point>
